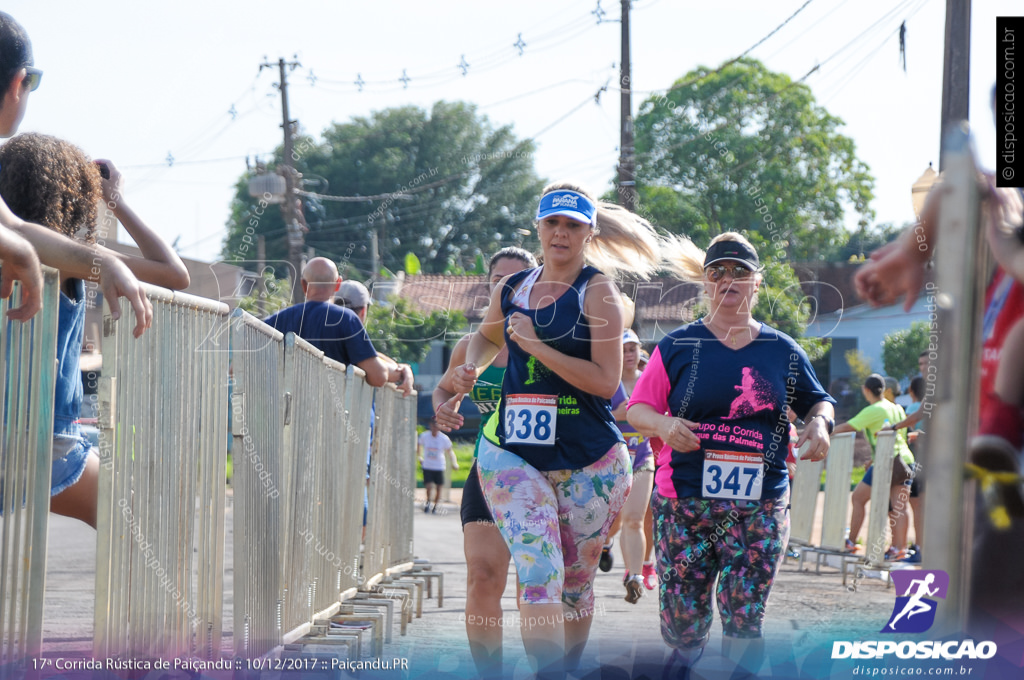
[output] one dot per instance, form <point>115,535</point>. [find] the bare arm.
<point>897,269</point>
<point>85,262</point>
<point>400,374</point>
<point>600,375</point>
<point>843,428</point>
<point>159,264</point>
<point>1002,221</point>
<point>484,345</point>
<point>445,410</point>
<point>20,264</point>
<point>910,421</point>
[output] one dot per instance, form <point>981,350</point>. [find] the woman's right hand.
<point>447,415</point>
<point>677,433</point>
<point>464,378</point>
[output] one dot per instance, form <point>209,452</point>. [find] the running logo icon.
<point>914,611</point>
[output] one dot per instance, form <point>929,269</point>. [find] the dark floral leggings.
<point>698,541</point>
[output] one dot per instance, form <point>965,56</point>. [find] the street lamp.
<point>921,188</point>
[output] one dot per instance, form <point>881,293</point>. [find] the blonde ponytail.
<point>624,244</point>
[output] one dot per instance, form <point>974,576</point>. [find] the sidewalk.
<point>804,613</point>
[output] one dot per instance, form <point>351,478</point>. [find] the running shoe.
<point>914,558</point>
<point>894,554</point>
<point>677,660</point>
<point>850,546</point>
<point>434,510</point>
<point>426,507</point>
<point>634,589</point>
<point>650,576</point>
<point>607,560</point>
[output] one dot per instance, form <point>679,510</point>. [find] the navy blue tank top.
<point>546,421</point>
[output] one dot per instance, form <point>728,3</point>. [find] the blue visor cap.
<point>572,204</point>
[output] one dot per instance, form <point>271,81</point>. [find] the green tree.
<point>404,334</point>
<point>900,350</point>
<point>466,188</point>
<point>277,296</point>
<point>746,148</point>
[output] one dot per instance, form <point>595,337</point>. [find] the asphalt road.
<point>805,612</point>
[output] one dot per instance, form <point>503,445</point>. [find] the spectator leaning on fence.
<point>52,182</point>
<point>87,261</point>
<point>354,295</point>
<point>334,330</point>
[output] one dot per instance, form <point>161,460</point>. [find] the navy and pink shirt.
<point>737,398</point>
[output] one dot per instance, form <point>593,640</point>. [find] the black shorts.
<point>474,507</point>
<point>917,486</point>
<point>433,477</point>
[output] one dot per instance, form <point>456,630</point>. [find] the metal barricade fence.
<point>163,441</point>
<point>878,517</point>
<point>804,501</point>
<point>389,543</point>
<point>257,422</point>
<point>326,426</point>
<point>838,468</point>
<point>27,368</point>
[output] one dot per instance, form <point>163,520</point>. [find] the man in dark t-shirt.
<point>336,331</point>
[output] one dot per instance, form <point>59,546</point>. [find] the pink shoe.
<point>650,577</point>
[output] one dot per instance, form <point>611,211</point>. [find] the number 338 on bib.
<point>530,418</point>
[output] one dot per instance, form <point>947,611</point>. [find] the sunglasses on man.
<point>716,272</point>
<point>33,77</point>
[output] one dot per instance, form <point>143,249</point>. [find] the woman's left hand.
<point>521,331</point>
<point>816,437</point>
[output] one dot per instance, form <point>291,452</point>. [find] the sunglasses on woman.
<point>33,77</point>
<point>716,272</point>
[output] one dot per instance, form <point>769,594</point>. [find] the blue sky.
<point>135,82</point>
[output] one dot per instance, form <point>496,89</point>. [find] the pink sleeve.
<point>653,387</point>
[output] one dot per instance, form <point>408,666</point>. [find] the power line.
<point>731,61</point>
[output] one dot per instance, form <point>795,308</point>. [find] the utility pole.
<point>955,70</point>
<point>296,242</point>
<point>627,152</point>
<point>261,283</point>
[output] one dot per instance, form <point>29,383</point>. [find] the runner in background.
<point>633,545</point>
<point>432,449</point>
<point>487,556</point>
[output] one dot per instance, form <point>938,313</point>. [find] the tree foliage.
<point>748,149</point>
<point>467,189</point>
<point>900,350</point>
<point>404,334</point>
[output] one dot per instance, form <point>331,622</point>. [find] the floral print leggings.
<point>555,523</point>
<point>698,541</point>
